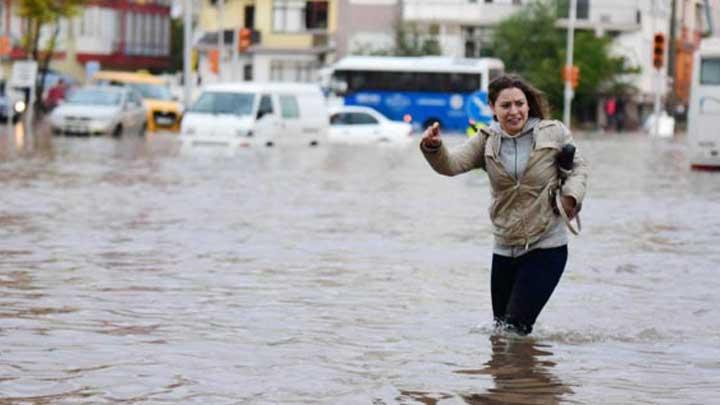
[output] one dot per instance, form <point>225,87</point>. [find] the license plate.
<point>164,121</point>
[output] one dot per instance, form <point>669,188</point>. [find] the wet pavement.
<point>134,272</point>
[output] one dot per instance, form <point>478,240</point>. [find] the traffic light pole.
<point>187,31</point>
<point>221,37</point>
<point>569,62</point>
<point>658,72</point>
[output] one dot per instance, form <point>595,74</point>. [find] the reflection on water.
<point>521,368</point>
<point>133,273</point>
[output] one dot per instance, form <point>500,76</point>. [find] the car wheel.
<point>117,132</point>
<point>313,143</point>
<point>269,144</point>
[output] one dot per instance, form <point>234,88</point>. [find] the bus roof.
<point>417,64</point>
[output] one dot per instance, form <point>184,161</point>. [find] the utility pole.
<point>187,61</point>
<point>672,51</point>
<point>569,62</point>
<point>221,37</point>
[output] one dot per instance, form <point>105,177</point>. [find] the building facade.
<point>366,26</point>
<point>291,40</point>
<point>120,34</point>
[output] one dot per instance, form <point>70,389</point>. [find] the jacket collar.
<point>530,126</point>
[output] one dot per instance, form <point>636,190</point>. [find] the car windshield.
<point>95,97</point>
<point>153,91</point>
<point>224,103</point>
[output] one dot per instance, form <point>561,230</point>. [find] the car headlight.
<point>19,106</point>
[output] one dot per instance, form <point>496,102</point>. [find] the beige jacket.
<point>521,210</point>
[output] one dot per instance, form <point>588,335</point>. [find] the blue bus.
<point>420,90</point>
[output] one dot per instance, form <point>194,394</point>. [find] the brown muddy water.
<point>133,273</point>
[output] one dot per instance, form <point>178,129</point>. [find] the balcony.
<point>622,19</point>
<point>461,12</point>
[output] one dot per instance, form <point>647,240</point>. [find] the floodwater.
<point>133,273</point>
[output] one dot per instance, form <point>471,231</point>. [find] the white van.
<point>704,112</point>
<point>250,114</point>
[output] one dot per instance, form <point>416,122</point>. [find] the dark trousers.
<point>521,286</point>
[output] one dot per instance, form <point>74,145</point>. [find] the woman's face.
<point>511,109</point>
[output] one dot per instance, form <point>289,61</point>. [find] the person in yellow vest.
<point>473,128</point>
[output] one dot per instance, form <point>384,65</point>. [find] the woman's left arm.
<point>576,183</point>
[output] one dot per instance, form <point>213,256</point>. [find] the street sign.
<point>24,73</point>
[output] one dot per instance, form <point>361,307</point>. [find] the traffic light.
<point>214,58</point>
<point>658,50</point>
<point>574,76</point>
<point>571,74</point>
<point>244,39</point>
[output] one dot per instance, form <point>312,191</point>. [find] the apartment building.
<point>119,34</point>
<point>366,26</point>
<point>291,40</point>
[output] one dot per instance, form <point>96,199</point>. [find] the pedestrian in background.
<point>56,94</point>
<point>519,151</point>
<point>610,108</point>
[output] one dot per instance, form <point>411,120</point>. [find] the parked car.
<point>17,109</point>
<point>164,111</point>
<point>102,110</point>
<point>358,124</point>
<point>246,114</point>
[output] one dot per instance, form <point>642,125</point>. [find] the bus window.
<point>432,82</point>
<point>463,82</point>
<point>710,71</point>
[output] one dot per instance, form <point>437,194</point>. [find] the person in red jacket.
<point>55,95</point>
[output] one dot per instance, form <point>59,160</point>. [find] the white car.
<point>357,125</point>
<point>100,110</point>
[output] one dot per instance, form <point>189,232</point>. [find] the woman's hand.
<point>569,205</point>
<point>431,137</point>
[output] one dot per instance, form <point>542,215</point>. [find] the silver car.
<point>100,110</point>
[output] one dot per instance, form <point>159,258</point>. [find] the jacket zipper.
<point>517,185</point>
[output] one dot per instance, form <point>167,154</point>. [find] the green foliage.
<point>529,44</point>
<point>38,13</point>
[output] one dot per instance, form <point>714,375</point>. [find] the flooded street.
<point>133,273</point>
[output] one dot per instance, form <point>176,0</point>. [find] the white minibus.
<point>256,114</point>
<point>704,109</point>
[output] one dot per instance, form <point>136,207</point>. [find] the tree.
<point>39,13</point>
<point>530,44</point>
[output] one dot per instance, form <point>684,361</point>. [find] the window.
<point>224,103</point>
<point>298,71</point>
<point>407,81</point>
<point>710,71</point>
<point>582,10</point>
<point>357,118</point>
<point>316,15</point>
<point>266,106</point>
<point>299,15</point>
<point>339,119</point>
<point>289,107</point>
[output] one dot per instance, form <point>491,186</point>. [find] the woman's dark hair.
<point>537,104</point>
